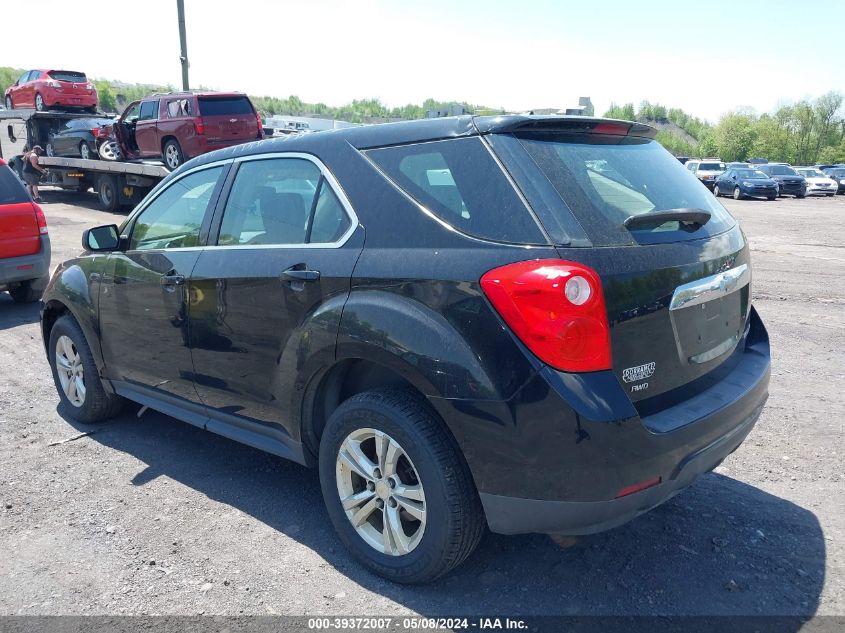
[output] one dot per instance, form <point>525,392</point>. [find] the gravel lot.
<point>154,516</point>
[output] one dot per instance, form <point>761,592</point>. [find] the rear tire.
<point>85,151</point>
<point>172,153</point>
<point>40,106</point>
<point>107,191</point>
<point>9,104</point>
<point>29,291</point>
<point>429,466</point>
<point>50,150</point>
<point>67,342</point>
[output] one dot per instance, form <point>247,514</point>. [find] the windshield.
<point>750,173</point>
<point>781,170</point>
<point>604,180</point>
<point>836,173</point>
<point>811,173</point>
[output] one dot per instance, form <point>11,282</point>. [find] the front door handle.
<point>297,274</point>
<point>172,280</point>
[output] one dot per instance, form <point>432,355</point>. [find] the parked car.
<point>459,322</point>
<point>838,174</point>
<point>738,165</point>
<point>707,170</point>
<point>789,181</point>
<point>745,183</point>
<point>24,240</point>
<point>181,125</point>
<point>818,183</point>
<point>45,89</point>
<point>79,137</point>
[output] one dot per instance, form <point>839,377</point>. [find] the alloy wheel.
<point>50,150</point>
<point>70,371</point>
<point>84,150</point>
<point>737,193</point>
<point>380,492</point>
<point>171,157</point>
<point>716,190</point>
<point>39,103</point>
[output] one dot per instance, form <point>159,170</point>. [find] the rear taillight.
<point>40,219</point>
<point>53,83</point>
<point>199,126</point>
<point>556,308</point>
<point>96,132</point>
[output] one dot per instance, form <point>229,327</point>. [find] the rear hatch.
<point>228,118</point>
<point>676,288</point>
<point>19,232</point>
<point>71,82</point>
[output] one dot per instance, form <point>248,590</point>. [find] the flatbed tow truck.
<point>117,183</point>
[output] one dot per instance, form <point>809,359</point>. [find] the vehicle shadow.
<point>14,314</point>
<point>88,200</point>
<point>720,548</point>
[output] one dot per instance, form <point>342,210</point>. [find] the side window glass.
<point>330,220</point>
<point>149,110</point>
<point>270,202</point>
<point>174,218</point>
<point>179,108</point>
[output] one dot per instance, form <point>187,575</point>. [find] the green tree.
<point>734,136</point>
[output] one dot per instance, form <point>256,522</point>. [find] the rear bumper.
<point>71,99</point>
<point>556,457</point>
<point>17,269</point>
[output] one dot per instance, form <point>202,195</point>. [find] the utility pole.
<point>183,41</point>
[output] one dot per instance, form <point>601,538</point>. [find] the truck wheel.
<point>397,489</point>
<point>29,291</point>
<point>39,103</point>
<point>173,156</point>
<point>75,374</point>
<point>107,191</point>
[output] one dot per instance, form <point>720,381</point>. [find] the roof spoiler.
<point>559,123</point>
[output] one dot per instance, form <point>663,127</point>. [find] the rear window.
<point>459,182</point>
<point>67,75</point>
<point>603,180</point>
<point>711,167</point>
<point>223,106</point>
<point>11,188</point>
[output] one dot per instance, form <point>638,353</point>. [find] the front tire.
<point>716,190</point>
<point>173,156</point>
<point>76,377</point>
<point>9,104</point>
<point>397,489</point>
<point>737,193</point>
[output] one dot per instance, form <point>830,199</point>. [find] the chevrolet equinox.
<point>526,324</point>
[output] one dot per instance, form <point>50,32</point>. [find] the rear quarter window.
<point>459,182</point>
<point>11,189</point>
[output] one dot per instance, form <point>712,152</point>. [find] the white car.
<point>818,184</point>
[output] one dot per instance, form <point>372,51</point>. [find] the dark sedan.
<point>790,182</point>
<point>79,137</point>
<point>838,174</point>
<point>745,183</point>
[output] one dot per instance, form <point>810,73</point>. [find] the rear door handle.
<point>295,274</point>
<point>172,280</point>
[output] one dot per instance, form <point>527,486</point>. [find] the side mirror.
<point>101,238</point>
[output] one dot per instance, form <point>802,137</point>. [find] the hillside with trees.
<point>805,133</point>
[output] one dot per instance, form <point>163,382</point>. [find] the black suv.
<point>523,323</point>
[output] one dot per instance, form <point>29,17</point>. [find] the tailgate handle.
<point>709,288</point>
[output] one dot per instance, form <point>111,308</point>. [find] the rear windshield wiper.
<point>689,219</point>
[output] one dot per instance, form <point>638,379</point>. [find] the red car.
<point>24,242</point>
<point>181,125</point>
<point>45,89</point>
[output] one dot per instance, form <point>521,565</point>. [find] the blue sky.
<point>704,57</point>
